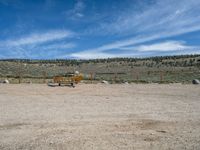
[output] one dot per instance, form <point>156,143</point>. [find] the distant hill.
<point>182,68</point>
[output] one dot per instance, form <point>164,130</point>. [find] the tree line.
<point>156,59</point>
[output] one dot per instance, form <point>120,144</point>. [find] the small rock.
<point>76,72</point>
<point>105,82</point>
<point>6,81</point>
<point>162,131</point>
<point>195,81</point>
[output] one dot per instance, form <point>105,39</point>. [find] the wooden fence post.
<point>91,75</point>
<point>137,76</point>
<point>44,77</point>
<point>161,76</point>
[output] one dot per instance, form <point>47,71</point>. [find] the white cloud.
<point>79,6</point>
<point>160,16</point>
<point>56,46</point>
<point>36,45</point>
<point>80,15</point>
<point>77,11</point>
<point>47,50</point>
<point>99,55</point>
<point>161,20</point>
<point>167,46</point>
<point>174,47</point>
<point>133,41</point>
<point>92,55</point>
<point>162,47</point>
<point>38,38</point>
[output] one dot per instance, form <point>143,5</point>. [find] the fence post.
<point>137,76</point>
<point>161,76</point>
<point>115,77</point>
<point>19,77</point>
<point>91,75</point>
<point>44,77</point>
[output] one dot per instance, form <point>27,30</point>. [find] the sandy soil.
<point>149,116</point>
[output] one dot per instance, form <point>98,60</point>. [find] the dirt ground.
<point>100,117</point>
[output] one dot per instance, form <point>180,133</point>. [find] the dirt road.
<point>98,116</point>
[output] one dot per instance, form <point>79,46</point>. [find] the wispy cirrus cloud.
<point>103,29</point>
<point>38,38</point>
<point>166,48</point>
<point>58,46</point>
<point>118,45</point>
<point>161,47</point>
<point>77,11</point>
<point>99,55</point>
<point>90,55</point>
<point>38,44</point>
<point>163,19</point>
<point>159,16</point>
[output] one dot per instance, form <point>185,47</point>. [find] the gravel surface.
<point>100,117</point>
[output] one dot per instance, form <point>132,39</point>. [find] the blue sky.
<point>87,29</point>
